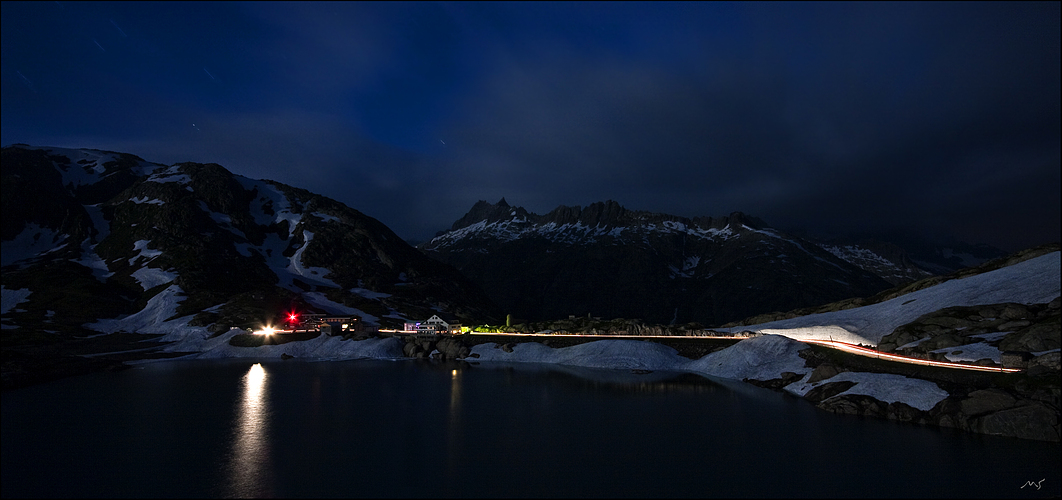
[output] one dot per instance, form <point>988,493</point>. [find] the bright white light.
<point>265,331</point>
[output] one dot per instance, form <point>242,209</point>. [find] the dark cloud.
<point>933,118</point>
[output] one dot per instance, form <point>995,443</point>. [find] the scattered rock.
<point>1044,335</point>
<point>286,356</point>
<point>1014,311</point>
<point>1031,421</point>
<point>903,412</point>
<point>777,383</point>
<point>855,404</point>
<point>828,390</point>
<point>823,372</point>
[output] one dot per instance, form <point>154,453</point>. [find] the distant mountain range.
<point>605,260</point>
<point>91,234</point>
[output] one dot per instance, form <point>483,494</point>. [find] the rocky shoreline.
<point>1024,406</point>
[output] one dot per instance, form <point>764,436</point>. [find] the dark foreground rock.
<point>1023,405</point>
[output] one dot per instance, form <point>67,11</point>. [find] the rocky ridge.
<point>608,261</point>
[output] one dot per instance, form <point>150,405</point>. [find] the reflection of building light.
<point>249,468</point>
<point>454,436</point>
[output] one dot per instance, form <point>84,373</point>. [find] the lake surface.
<point>237,428</point>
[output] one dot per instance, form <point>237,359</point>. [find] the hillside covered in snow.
<point>108,241</point>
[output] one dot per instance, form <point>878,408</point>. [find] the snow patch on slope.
<point>140,246</point>
<point>34,240</point>
<point>153,318</point>
<point>170,174</point>
<point>150,277</point>
<point>314,275</point>
<point>886,387</point>
<point>10,298</point>
<point>1035,281</point>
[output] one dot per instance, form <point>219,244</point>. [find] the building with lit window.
<point>437,323</point>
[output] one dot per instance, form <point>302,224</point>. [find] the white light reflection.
<point>454,436</point>
<point>250,467</point>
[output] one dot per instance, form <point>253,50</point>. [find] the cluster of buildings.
<point>437,324</point>
<point>441,323</point>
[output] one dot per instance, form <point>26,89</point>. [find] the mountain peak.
<point>484,211</point>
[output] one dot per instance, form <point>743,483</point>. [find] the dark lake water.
<point>238,428</point>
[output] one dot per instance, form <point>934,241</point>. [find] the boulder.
<point>1042,336</point>
<point>1014,325</point>
<point>1030,421</point>
<point>1014,311</point>
<point>823,372</point>
<point>903,412</point>
<point>941,342</point>
<point>987,401</point>
<point>1050,360</point>
<point>410,349</point>
<point>1039,370</point>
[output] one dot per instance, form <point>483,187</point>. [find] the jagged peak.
<point>741,218</point>
<point>608,213</point>
<point>485,211</point>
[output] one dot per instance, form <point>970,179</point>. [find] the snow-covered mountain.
<point>608,261</point>
<point>111,242</point>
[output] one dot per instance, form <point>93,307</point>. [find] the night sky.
<point>933,119</point>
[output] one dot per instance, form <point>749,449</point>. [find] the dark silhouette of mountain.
<point>92,234</point>
<point>608,261</point>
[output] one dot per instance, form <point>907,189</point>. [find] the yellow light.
<point>265,331</point>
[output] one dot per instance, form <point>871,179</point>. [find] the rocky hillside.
<point>91,234</point>
<point>607,261</point>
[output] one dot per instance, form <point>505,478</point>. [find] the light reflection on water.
<point>249,467</point>
<point>454,437</point>
<point>412,429</point>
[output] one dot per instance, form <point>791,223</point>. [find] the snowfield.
<point>1035,281</point>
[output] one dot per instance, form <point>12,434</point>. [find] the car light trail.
<point>865,351</point>
<point>612,336</point>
